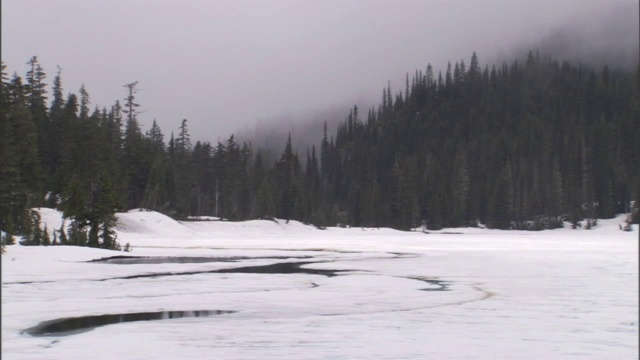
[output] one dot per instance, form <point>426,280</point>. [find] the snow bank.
<point>52,219</point>
<point>148,222</point>
<point>275,226</point>
<point>153,224</point>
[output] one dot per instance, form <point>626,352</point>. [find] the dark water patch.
<point>75,325</point>
<point>325,250</point>
<point>28,282</point>
<point>321,250</point>
<point>278,268</point>
<point>405,255</point>
<point>128,260</point>
<point>282,268</point>
<point>436,285</point>
<point>443,232</point>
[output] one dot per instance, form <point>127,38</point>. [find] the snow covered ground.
<point>456,294</point>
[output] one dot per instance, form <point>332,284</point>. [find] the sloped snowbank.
<point>52,219</point>
<point>276,226</point>
<point>151,223</point>
<point>148,222</point>
<point>147,228</point>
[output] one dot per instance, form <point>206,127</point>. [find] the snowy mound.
<point>51,219</point>
<point>251,228</point>
<point>148,222</point>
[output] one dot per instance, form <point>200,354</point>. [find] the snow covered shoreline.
<point>510,294</point>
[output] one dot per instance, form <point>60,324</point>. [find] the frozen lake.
<point>266,290</point>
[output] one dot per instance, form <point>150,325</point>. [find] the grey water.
<point>277,268</point>
<point>128,260</point>
<point>75,325</point>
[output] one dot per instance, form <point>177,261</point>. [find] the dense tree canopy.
<point>522,145</point>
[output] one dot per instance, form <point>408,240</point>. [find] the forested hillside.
<point>521,145</point>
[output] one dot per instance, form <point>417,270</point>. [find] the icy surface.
<point>561,294</point>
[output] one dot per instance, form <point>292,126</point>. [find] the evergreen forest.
<point>521,145</point>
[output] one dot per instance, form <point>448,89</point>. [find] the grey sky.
<point>223,65</point>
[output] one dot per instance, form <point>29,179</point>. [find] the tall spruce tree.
<point>136,161</point>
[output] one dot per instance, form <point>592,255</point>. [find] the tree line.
<point>524,145</point>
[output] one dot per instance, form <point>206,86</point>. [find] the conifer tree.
<point>287,172</point>
<point>135,159</point>
<point>183,174</point>
<point>21,172</point>
<point>500,203</point>
<point>63,236</point>
<point>46,239</point>
<point>36,93</point>
<point>459,189</point>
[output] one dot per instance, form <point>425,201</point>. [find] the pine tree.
<point>9,171</point>
<point>32,235</point>
<point>77,234</point>
<point>265,199</point>
<point>36,94</point>
<point>287,171</point>
<point>46,239</point>
<point>156,138</point>
<point>75,201</point>
<point>183,171</point>
<point>183,141</point>
<point>459,189</point>
<point>135,159</point>
<point>63,235</point>
<point>107,234</point>
<point>157,191</point>
<point>9,230</point>
<point>53,160</point>
<point>21,172</point>
<point>500,204</point>
<point>85,100</point>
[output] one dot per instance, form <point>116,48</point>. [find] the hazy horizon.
<point>238,66</point>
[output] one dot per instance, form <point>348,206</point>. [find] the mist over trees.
<point>612,39</point>
<point>525,145</point>
<point>269,134</point>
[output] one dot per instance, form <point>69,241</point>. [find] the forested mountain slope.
<point>535,141</point>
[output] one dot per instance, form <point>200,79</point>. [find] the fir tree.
<point>63,236</point>
<point>46,239</point>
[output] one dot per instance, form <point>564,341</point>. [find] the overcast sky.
<point>223,65</point>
